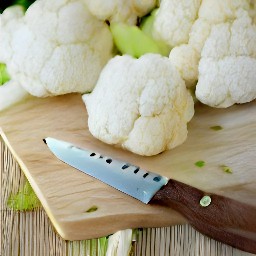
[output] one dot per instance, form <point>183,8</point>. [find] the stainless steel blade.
<point>123,176</point>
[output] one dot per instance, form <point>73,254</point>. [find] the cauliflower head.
<point>57,47</point>
<point>186,57</point>
<point>120,10</point>
<point>174,20</point>
<point>227,69</point>
<point>140,104</point>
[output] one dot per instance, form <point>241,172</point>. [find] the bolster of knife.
<point>221,218</point>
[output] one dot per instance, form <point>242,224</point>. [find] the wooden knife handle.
<point>224,219</point>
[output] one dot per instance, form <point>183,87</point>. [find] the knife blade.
<point>221,218</point>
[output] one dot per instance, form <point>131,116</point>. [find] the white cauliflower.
<point>140,104</point>
<point>186,57</point>
<point>120,10</point>
<point>174,20</point>
<point>57,47</point>
<point>227,69</point>
<point>119,244</point>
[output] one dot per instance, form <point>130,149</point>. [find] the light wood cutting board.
<point>67,194</point>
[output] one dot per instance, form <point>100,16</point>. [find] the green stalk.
<point>4,76</point>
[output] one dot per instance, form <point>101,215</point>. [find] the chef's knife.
<point>218,217</point>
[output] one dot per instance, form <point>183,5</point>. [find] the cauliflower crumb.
<point>140,104</point>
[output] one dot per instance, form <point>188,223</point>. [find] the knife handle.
<point>224,219</point>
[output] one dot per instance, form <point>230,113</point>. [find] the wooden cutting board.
<point>68,195</point>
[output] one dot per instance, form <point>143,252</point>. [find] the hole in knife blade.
<point>125,166</point>
<point>109,161</point>
<point>157,179</point>
<point>101,156</point>
<point>136,170</point>
<point>145,175</point>
<point>92,154</point>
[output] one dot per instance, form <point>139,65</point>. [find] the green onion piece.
<point>226,168</point>
<point>216,128</point>
<point>200,163</point>
<point>92,209</point>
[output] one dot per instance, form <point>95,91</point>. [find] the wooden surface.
<point>30,233</point>
<point>67,194</point>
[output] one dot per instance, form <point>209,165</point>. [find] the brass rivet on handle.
<point>205,201</point>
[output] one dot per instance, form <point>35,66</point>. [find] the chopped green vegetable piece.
<point>131,40</point>
<point>24,3</point>
<point>92,209</point>
<point>24,200</point>
<point>6,4</point>
<point>205,201</point>
<point>102,246</point>
<point>200,163</point>
<point>216,128</point>
<point>4,76</point>
<point>147,22</point>
<point>146,27</point>
<point>226,168</point>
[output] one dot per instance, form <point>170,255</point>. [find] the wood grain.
<point>223,219</point>
<point>67,194</point>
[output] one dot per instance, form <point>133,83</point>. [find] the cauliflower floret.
<point>120,10</point>
<point>140,104</point>
<point>227,69</point>
<point>9,22</point>
<point>211,12</point>
<point>185,59</point>
<point>58,47</point>
<point>120,243</point>
<point>174,20</point>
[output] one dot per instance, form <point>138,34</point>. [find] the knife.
<point>221,218</point>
